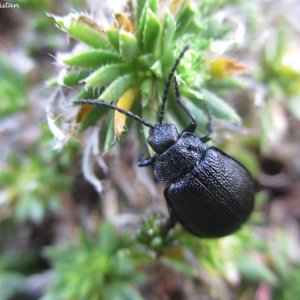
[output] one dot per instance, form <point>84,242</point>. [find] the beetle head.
<point>162,137</point>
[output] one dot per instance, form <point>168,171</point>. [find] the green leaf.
<point>168,34</point>
<point>176,116</point>
<point>140,10</point>
<point>224,84</point>
<point>146,88</point>
<point>180,265</point>
<point>73,77</point>
<point>147,60</point>
<point>94,115</point>
<point>89,93</point>
<point>82,28</point>
<point>113,37</point>
<point>193,94</point>
<point>142,6</point>
<point>52,82</point>
<point>154,5</point>
<point>118,87</point>
<point>128,46</point>
<point>13,87</point>
<point>217,105</point>
<point>220,108</point>
<point>186,20</point>
<point>149,114</point>
<point>106,74</point>
<point>255,270</point>
<point>151,32</point>
<point>85,241</point>
<point>91,58</point>
<point>156,69</point>
<point>107,134</point>
<point>197,108</point>
<point>141,27</point>
<point>108,238</point>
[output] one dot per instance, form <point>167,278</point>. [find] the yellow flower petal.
<point>125,102</point>
<point>122,21</point>
<point>226,67</point>
<point>83,112</point>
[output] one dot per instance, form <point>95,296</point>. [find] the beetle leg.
<point>146,161</point>
<point>192,126</point>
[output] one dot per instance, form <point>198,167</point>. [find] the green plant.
<point>289,287</point>
<point>155,234</point>
<point>99,266</point>
<point>29,189</point>
<point>13,88</point>
<point>129,63</point>
<point>280,73</point>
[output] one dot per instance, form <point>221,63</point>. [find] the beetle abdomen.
<point>215,198</point>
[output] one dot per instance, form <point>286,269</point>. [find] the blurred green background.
<point>78,219</point>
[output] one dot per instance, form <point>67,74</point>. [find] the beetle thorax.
<point>179,159</point>
<point>162,137</point>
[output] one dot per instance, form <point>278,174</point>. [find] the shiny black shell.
<point>208,192</point>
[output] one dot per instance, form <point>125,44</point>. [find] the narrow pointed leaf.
<point>168,33</point>
<point>118,87</point>
<point>220,108</point>
<point>255,270</point>
<point>113,37</point>
<point>186,19</point>
<point>91,58</point>
<point>196,107</point>
<point>142,6</point>
<point>106,137</point>
<point>106,74</point>
<point>140,10</point>
<point>82,28</point>
<point>153,4</point>
<point>147,60</point>
<point>125,102</point>
<point>52,82</point>
<point>149,114</point>
<point>128,46</point>
<point>73,77</point>
<point>151,32</point>
<point>146,88</point>
<point>157,69</point>
<point>216,104</point>
<point>141,26</point>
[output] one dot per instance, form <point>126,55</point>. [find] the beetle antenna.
<point>168,83</point>
<point>115,107</point>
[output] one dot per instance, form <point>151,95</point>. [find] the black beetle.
<point>210,193</point>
